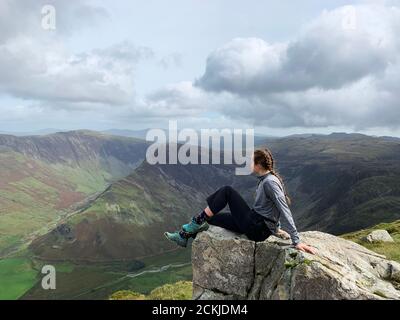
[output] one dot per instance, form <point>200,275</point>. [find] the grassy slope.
<point>390,250</point>
<point>138,208</point>
<point>371,201</point>
<point>40,193</point>
<point>16,277</point>
<point>41,177</point>
<point>132,201</point>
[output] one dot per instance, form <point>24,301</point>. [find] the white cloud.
<point>327,54</point>
<point>330,74</point>
<point>37,65</point>
<point>46,71</point>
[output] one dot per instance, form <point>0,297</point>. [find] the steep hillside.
<point>128,220</point>
<point>43,178</point>
<point>76,148</point>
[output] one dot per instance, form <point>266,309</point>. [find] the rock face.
<point>228,266</point>
<point>379,236</point>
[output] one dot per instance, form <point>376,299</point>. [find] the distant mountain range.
<point>141,134</point>
<point>31,133</point>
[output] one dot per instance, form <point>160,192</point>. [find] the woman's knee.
<point>227,189</point>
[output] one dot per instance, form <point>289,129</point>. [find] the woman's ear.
<point>256,168</point>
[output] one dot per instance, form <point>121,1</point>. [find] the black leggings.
<point>242,219</point>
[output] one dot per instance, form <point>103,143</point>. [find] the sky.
<point>280,67</point>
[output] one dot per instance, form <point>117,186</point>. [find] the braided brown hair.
<point>264,158</point>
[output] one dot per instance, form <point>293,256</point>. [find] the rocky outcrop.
<point>228,266</point>
<point>378,236</point>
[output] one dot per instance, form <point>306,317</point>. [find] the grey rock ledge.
<point>228,266</point>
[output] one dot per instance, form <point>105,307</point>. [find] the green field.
<point>16,277</point>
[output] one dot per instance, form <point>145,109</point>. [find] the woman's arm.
<point>275,192</point>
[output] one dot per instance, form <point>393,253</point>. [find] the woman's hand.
<point>305,248</point>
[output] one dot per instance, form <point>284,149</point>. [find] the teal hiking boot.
<point>176,237</point>
<point>194,228</point>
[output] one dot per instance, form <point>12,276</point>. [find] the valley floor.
<point>21,277</point>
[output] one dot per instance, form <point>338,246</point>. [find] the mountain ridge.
<point>41,177</point>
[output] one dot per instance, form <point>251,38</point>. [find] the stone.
<point>220,271</point>
<point>379,236</point>
<point>228,266</point>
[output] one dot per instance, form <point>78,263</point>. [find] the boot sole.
<point>177,243</point>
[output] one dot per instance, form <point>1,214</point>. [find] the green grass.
<point>127,295</point>
<point>141,198</point>
<point>16,277</point>
<point>390,249</point>
<point>65,267</point>
<point>74,283</point>
<point>181,290</point>
<point>88,178</point>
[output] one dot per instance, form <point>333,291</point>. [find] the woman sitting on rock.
<point>270,209</point>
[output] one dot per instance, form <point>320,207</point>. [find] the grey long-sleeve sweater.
<point>270,202</point>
